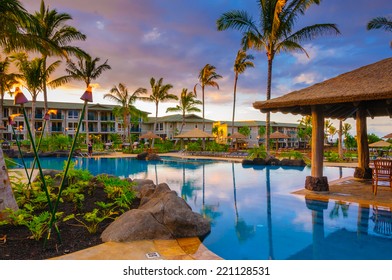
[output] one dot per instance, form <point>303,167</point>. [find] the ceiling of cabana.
<point>340,97</point>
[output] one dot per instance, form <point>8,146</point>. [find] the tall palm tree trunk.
<point>7,199</point>
<point>34,101</point>
<point>235,97</point>
<point>268,116</point>
<point>86,124</point>
<point>45,92</point>
<point>155,123</point>
<point>203,140</point>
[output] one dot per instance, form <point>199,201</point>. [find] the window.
<point>159,126</point>
<point>72,126</point>
<point>73,114</point>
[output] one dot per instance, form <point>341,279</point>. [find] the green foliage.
<point>350,142</point>
<point>194,146</point>
<point>332,157</point>
<point>293,155</point>
<point>372,138</point>
<point>164,146</point>
<point>245,130</point>
<point>120,191</point>
<point>257,152</point>
<point>91,220</point>
<point>60,142</point>
<point>36,223</point>
<point>215,147</point>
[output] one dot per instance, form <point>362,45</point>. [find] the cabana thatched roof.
<point>369,86</point>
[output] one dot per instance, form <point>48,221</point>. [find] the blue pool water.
<point>253,213</point>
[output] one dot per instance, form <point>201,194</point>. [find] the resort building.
<point>169,126</point>
<point>101,120</point>
<point>224,128</point>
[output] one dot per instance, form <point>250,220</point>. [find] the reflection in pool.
<point>253,213</point>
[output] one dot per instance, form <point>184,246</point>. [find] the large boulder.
<point>135,225</point>
<point>292,162</point>
<point>168,216</point>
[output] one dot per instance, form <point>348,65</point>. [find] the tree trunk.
<point>234,100</point>
<point>7,199</point>
<point>203,140</point>
<point>268,117</point>
<point>34,101</point>
<point>86,124</point>
<point>1,112</point>
<point>340,140</point>
<point>45,92</point>
<point>155,124</point>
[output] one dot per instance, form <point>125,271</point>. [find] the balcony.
<point>108,129</point>
<point>56,129</point>
<point>108,118</point>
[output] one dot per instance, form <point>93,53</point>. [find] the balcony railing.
<point>106,118</point>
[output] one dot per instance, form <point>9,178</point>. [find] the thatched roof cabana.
<point>370,85</point>
<point>194,133</point>
<point>361,93</point>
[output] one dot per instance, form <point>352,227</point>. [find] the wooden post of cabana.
<point>362,171</point>
<point>317,182</point>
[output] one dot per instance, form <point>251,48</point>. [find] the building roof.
<point>66,105</point>
<point>195,133</point>
<point>259,123</point>
<point>369,86</point>
<point>178,118</point>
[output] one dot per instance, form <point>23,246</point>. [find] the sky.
<point>174,39</point>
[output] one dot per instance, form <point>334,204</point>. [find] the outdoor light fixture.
<point>20,98</point>
<point>87,95</point>
<point>48,113</point>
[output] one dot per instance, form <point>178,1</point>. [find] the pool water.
<point>253,214</point>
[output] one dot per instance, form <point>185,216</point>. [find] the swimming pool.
<point>252,211</point>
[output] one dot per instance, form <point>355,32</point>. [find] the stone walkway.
<point>180,249</point>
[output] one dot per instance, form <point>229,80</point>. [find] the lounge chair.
<point>382,172</point>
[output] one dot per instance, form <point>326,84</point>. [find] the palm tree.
<point>7,80</point>
<point>380,23</point>
<point>187,104</point>
<point>274,33</point>
<point>242,62</point>
<point>53,36</point>
<point>207,77</point>
<point>13,16</point>
<point>121,96</point>
<point>159,93</point>
<point>33,73</point>
<point>86,70</point>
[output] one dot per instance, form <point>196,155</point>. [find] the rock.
<point>317,184</point>
<point>174,216</point>
<point>153,157</point>
<point>142,156</point>
<point>247,162</point>
<point>270,160</point>
<point>362,173</point>
<point>292,162</point>
<point>135,224</point>
<point>259,161</point>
